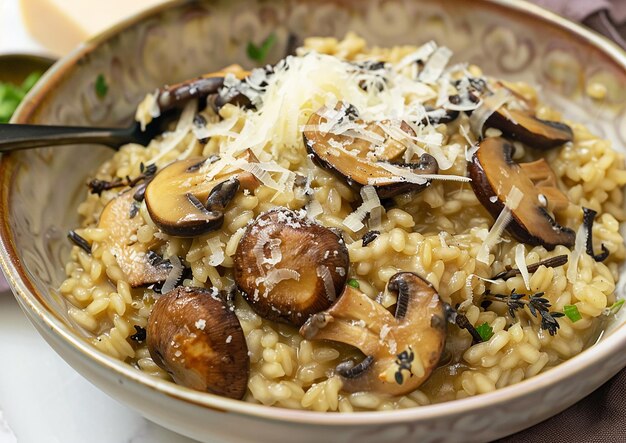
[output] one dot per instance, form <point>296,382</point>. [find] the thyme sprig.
<point>97,186</point>
<point>537,305</point>
<point>552,262</point>
<point>458,318</point>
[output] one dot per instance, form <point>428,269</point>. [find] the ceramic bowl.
<point>40,189</point>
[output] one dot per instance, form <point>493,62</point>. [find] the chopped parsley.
<point>102,88</point>
<point>11,95</point>
<point>615,307</point>
<point>571,312</point>
<point>354,283</point>
<point>259,53</point>
<point>485,331</point>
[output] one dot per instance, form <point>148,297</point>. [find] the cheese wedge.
<point>60,25</point>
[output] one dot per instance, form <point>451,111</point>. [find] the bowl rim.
<point>31,300</point>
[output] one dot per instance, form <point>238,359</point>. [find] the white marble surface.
<point>42,399</point>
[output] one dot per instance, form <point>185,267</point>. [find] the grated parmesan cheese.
<point>513,200</point>
<point>488,106</point>
<point>354,221</point>
<point>579,250</point>
<point>435,65</point>
<point>520,261</point>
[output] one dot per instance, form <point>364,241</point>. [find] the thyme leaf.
<point>538,306</point>
<point>97,186</point>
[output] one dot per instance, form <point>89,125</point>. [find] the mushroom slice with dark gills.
<point>494,174</point>
<point>365,161</point>
<point>172,96</point>
<point>401,350</point>
<point>528,129</point>
<point>194,337</point>
<point>132,256</point>
<point>289,268</point>
<point>183,203</point>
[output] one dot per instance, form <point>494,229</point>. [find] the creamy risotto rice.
<point>501,329</point>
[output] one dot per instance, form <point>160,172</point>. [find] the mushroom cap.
<point>198,340</point>
<point>131,257</point>
<point>528,129</point>
<point>401,350</point>
<point>289,268</point>
<point>182,203</point>
<point>172,96</point>
<point>494,173</point>
<point>359,161</point>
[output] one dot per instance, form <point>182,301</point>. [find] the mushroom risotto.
<point>351,229</point>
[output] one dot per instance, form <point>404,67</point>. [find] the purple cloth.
<point>607,17</point>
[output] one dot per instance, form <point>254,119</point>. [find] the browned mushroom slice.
<point>526,128</point>
<point>199,342</point>
<point>131,256</point>
<point>171,96</point>
<point>289,268</point>
<point>183,203</point>
<point>362,162</point>
<point>401,350</point>
<point>494,174</point>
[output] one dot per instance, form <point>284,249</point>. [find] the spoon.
<point>15,137</point>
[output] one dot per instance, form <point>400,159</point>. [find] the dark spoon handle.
<point>18,137</point>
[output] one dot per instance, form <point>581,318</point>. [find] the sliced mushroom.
<point>172,96</point>
<point>401,350</point>
<point>289,268</point>
<point>360,161</point>
<point>182,203</point>
<point>528,129</point>
<point>199,342</point>
<point>494,174</point>
<point>132,256</point>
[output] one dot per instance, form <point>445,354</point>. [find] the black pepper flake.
<point>140,336</point>
<point>79,241</point>
<point>589,216</point>
<point>369,237</point>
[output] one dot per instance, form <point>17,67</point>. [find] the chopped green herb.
<point>571,312</point>
<point>354,283</point>
<point>30,81</point>
<point>485,331</point>
<point>615,307</point>
<point>101,86</point>
<point>259,53</point>
<point>11,95</point>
